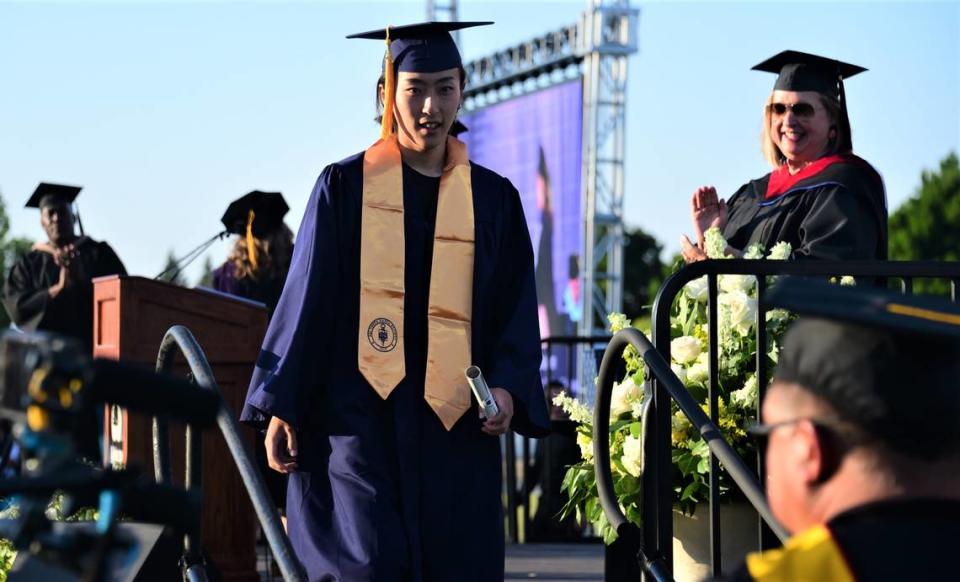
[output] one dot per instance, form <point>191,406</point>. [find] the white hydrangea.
<point>780,251</point>
<point>754,251</point>
<point>585,443</point>
<point>697,289</point>
<point>575,409</point>
<point>716,245</point>
<point>746,397</point>
<point>632,458</point>
<point>685,349</point>
<point>624,395</point>
<point>618,321</point>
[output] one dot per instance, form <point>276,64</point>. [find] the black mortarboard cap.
<point>426,47</point>
<point>797,71</point>
<point>47,194</point>
<point>885,362</point>
<point>269,208</point>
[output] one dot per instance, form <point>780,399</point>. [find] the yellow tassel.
<point>389,92</point>
<point>251,244</point>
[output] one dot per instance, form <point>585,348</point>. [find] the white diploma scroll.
<point>481,391</point>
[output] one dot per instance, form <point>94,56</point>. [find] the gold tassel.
<point>251,244</point>
<point>389,92</point>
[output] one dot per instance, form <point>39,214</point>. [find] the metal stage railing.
<point>178,339</point>
<point>653,541</point>
<point>560,356</point>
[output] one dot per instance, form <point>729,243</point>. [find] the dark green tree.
<point>10,251</point>
<point>927,226</point>
<point>206,278</point>
<point>643,272</point>
<point>171,273</point>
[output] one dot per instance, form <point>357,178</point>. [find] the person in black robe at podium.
<point>50,288</point>
<point>822,199</point>
<point>260,258</point>
<point>411,264</point>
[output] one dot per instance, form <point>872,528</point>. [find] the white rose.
<point>741,310</point>
<point>632,458</point>
<point>697,289</point>
<point>680,371</point>
<point>624,395</point>
<point>731,283</point>
<point>746,397</point>
<point>699,371</point>
<point>586,446</point>
<point>685,349</point>
<point>848,281</point>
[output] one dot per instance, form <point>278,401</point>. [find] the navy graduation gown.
<point>383,491</point>
<point>839,213</point>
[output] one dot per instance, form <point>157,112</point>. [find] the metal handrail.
<point>657,479</point>
<point>179,339</point>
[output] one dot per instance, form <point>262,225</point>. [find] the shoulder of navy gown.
<point>511,335</point>
<point>295,352</point>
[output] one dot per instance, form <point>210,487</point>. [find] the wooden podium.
<point>131,316</point>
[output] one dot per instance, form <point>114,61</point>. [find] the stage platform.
<point>539,562</point>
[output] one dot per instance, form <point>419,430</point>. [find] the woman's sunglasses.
<point>802,110</point>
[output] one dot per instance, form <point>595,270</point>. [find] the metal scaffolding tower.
<point>595,49</point>
<point>444,12</point>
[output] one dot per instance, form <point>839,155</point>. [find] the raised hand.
<point>707,212</point>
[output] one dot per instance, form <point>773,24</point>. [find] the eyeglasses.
<point>802,110</point>
<point>761,431</point>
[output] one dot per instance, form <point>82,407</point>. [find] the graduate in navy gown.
<point>825,201</point>
<point>411,263</point>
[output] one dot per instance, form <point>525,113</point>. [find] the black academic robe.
<point>895,539</point>
<point>839,213</point>
<point>383,492</point>
<point>27,297</point>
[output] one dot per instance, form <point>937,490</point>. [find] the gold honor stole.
<point>810,556</point>
<point>382,245</point>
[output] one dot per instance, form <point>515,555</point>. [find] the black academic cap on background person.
<point>48,194</point>
<point>885,362</point>
<point>260,212</point>
<point>797,71</point>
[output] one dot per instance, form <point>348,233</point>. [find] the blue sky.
<point>166,111</point>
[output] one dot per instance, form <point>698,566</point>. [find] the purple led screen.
<point>535,141</point>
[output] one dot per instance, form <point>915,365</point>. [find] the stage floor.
<point>539,562</point>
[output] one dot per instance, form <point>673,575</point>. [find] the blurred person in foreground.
<point>50,288</point>
<point>411,264</point>
<point>820,197</point>
<point>862,423</point>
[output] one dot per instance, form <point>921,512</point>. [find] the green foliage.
<point>643,271</point>
<point>927,226</point>
<point>206,279</point>
<point>7,555</point>
<point>170,271</point>
<point>10,250</point>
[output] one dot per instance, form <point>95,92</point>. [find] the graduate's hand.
<point>281,444</point>
<point>707,212</point>
<point>499,424</point>
<point>691,253</point>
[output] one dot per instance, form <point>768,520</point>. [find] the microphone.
<point>481,391</point>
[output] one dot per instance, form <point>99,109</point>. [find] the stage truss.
<point>596,50</point>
